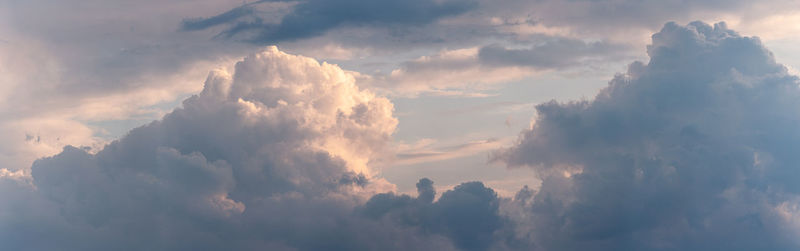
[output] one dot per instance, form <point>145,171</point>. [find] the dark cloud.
<point>468,214</point>
<point>694,150</point>
<point>315,17</point>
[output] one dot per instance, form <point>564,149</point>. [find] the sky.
<point>399,125</point>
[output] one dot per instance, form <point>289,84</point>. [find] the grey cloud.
<point>479,67</point>
<point>425,190</point>
<point>692,151</point>
<point>314,17</point>
<point>468,214</point>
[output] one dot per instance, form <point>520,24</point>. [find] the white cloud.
<point>281,136</point>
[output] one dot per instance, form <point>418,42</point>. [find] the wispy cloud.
<point>428,151</point>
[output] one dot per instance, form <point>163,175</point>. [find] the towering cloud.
<point>695,150</point>
<point>273,156</point>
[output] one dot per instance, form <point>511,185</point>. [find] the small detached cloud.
<point>694,150</point>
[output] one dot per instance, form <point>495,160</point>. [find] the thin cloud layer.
<point>695,150</point>
<point>556,53</point>
<point>470,71</point>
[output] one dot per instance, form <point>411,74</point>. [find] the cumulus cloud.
<point>280,126</point>
<point>273,155</point>
<point>313,18</point>
<point>693,150</point>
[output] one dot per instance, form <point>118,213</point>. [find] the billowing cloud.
<point>314,17</point>
<point>271,156</point>
<point>282,127</point>
<point>694,150</point>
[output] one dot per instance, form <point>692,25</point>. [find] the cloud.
<point>273,155</point>
<point>228,16</point>
<point>281,129</point>
<point>313,18</point>
<point>66,61</point>
<point>691,151</point>
<point>446,71</point>
<point>468,214</point>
